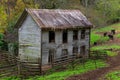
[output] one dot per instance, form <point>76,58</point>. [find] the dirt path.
<point>114,63</point>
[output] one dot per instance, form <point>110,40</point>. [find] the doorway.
<point>51,56</point>
<point>82,50</point>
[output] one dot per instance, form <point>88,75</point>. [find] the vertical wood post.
<point>40,65</point>
<point>19,65</point>
<point>89,42</point>
<point>52,63</point>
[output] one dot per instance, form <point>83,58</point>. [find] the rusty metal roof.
<point>49,18</point>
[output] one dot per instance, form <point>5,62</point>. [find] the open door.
<point>82,51</point>
<point>51,56</point>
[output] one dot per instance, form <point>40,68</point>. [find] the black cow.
<point>113,31</point>
<point>111,36</point>
<point>95,43</point>
<point>105,34</point>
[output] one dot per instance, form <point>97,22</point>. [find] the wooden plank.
<point>7,71</point>
<point>60,59</point>
<point>8,66</point>
<point>62,63</point>
<point>9,74</point>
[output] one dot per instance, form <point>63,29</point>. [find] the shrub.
<point>1,39</point>
<point>113,75</point>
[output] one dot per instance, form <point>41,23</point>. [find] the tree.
<point>3,19</point>
<point>110,9</point>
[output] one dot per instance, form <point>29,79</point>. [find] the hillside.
<point>112,48</point>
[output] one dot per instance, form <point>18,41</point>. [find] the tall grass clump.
<point>113,75</point>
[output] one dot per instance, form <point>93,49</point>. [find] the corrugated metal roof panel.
<point>59,18</point>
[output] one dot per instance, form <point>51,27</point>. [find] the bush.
<point>113,75</point>
<point>3,44</point>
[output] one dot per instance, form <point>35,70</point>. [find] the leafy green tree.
<point>109,8</point>
<point>3,19</point>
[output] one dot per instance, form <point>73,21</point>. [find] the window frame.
<point>52,34</point>
<point>83,31</point>
<point>63,52</point>
<point>75,50</point>
<point>75,35</point>
<point>65,36</point>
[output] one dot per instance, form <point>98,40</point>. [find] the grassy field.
<point>108,28</point>
<point>115,75</point>
<point>99,38</point>
<point>118,35</point>
<point>101,47</point>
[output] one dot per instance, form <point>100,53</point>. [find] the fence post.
<point>40,65</point>
<point>18,64</point>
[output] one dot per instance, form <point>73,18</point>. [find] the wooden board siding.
<point>34,39</point>
<point>58,46</point>
<point>29,40</point>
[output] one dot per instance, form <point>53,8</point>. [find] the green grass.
<point>100,39</point>
<point>102,47</point>
<point>10,78</point>
<point>103,52</point>
<point>104,29</point>
<point>97,38</point>
<point>89,65</point>
<point>94,37</point>
<point>110,53</point>
<point>113,75</point>
<point>108,28</point>
<point>118,35</point>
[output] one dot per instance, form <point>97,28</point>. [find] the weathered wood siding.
<point>58,45</point>
<point>29,40</point>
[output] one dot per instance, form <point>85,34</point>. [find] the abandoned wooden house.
<point>52,34</point>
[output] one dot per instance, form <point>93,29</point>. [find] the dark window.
<point>75,50</point>
<point>65,36</point>
<point>82,34</point>
<point>51,56</point>
<point>75,35</point>
<point>51,36</point>
<point>82,50</point>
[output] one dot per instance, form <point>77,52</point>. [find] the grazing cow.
<point>95,43</point>
<point>111,36</point>
<point>113,31</point>
<point>105,34</point>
